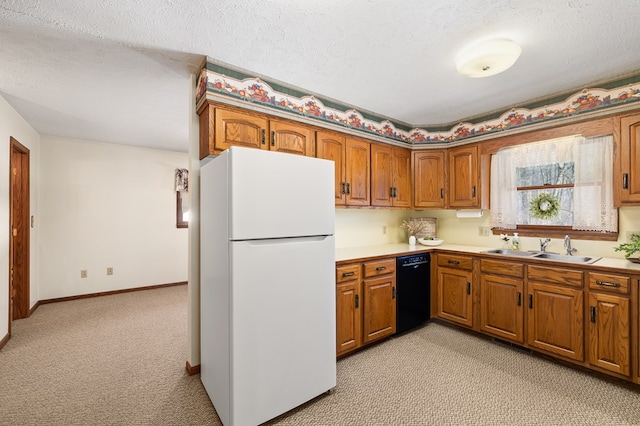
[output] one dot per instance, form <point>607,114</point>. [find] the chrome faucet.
<point>544,244</point>
<point>567,245</point>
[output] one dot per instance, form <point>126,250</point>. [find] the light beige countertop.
<point>362,253</point>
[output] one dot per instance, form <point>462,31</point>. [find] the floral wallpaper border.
<point>257,91</point>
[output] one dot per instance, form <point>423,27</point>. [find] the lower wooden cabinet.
<point>609,323</point>
<point>501,306</point>
<point>455,300</point>
<point>365,303</point>
<point>555,320</point>
<point>348,308</point>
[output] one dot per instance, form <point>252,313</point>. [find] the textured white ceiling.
<point>119,70</point>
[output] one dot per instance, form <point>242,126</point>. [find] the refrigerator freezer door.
<point>277,195</point>
<point>282,325</point>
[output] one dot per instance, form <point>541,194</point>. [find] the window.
<point>556,187</point>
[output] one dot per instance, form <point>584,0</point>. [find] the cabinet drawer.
<point>347,273</point>
<point>502,268</point>
<point>379,267</point>
<point>609,283</point>
<point>554,275</point>
<point>453,261</point>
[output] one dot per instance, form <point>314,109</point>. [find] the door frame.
<point>19,152</point>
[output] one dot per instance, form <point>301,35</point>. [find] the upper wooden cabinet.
<point>390,176</point>
<point>627,178</point>
<point>292,138</point>
<point>429,171</point>
<point>464,179</point>
<point>352,166</point>
<point>221,128</point>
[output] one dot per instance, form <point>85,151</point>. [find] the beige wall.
<point>13,125</point>
<point>105,205</point>
<point>356,226</point>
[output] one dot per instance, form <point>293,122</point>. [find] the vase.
<point>412,240</point>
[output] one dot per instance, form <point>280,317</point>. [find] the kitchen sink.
<point>545,255</point>
<point>566,258</point>
<point>510,252</point>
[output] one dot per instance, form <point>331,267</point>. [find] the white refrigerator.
<point>267,296</point>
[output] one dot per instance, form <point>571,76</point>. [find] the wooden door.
<point>555,320</point>
<point>429,189</point>
<point>331,146</point>
<point>463,177</point>
<point>348,317</point>
<point>358,172</point>
<point>501,311</point>
<point>609,333</point>
<point>628,179</point>
<point>239,129</point>
<point>455,302</point>
<point>292,138</point>
<point>19,296</point>
<point>379,307</point>
<point>401,177</point>
<point>381,186</point>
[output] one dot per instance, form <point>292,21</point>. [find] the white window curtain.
<point>593,208</point>
<point>592,188</point>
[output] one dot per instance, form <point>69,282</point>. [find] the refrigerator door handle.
<point>290,240</point>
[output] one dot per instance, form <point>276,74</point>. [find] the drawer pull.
<point>357,300</point>
<point>468,288</point>
<point>519,299</point>
<point>442,193</point>
<point>453,262</point>
<point>273,138</point>
<point>348,274</point>
<point>607,283</point>
<point>473,191</point>
<point>381,268</point>
<point>393,292</point>
<point>530,301</point>
<point>625,181</point>
<point>264,135</point>
<point>592,309</point>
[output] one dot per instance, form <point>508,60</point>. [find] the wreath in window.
<point>544,206</point>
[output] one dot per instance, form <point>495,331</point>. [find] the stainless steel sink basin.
<point>510,252</point>
<point>545,255</point>
<point>566,258</point>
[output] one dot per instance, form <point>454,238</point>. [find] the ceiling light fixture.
<point>488,57</point>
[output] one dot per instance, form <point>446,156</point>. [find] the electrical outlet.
<point>484,231</point>
<point>384,229</point>
<point>83,273</point>
<point>110,270</point>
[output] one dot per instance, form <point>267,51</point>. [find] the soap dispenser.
<point>515,243</point>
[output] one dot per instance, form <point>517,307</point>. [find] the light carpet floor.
<point>119,360</point>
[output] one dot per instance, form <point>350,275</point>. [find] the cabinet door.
<point>379,307</point>
<point>331,146</point>
<point>358,172</point>
<point>628,180</point>
<point>463,177</point>
<point>292,138</point>
<point>381,186</point>
<point>455,302</point>
<point>348,317</point>
<point>609,333</point>
<point>555,320</point>
<point>239,129</point>
<point>401,177</point>
<point>429,179</point>
<point>501,312</point>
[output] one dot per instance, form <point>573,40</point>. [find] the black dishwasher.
<point>413,284</point>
